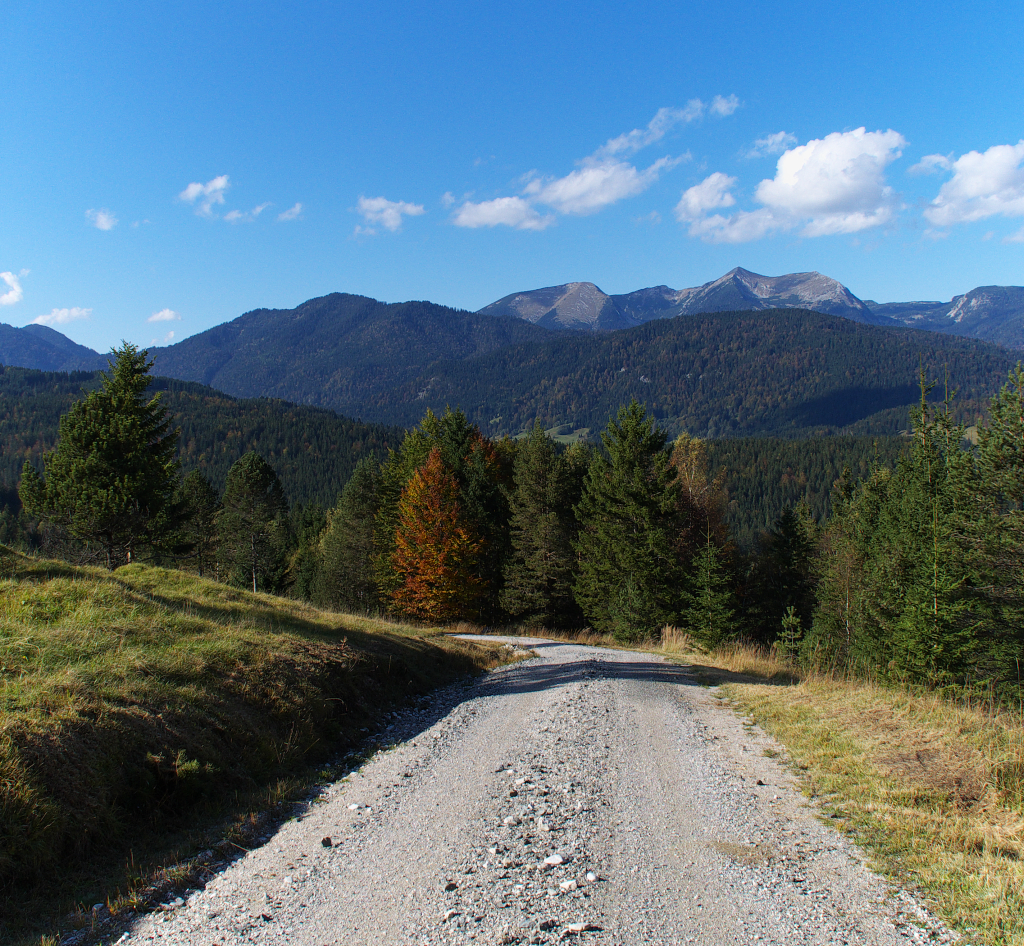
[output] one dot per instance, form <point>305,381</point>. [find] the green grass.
<point>139,705</point>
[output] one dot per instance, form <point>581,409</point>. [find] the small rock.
<point>353,807</point>
<point>326,842</point>
<point>567,885</point>
<point>450,886</point>
<point>448,914</point>
<point>591,876</point>
<point>574,929</point>
<point>555,860</point>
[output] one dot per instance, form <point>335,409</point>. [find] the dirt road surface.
<point>585,795</point>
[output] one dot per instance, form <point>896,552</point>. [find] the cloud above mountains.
<point>62,316</point>
<point>381,212</point>
<point>14,291</point>
<point>830,185</point>
<point>983,184</point>
<point>205,196</point>
<point>602,179</point>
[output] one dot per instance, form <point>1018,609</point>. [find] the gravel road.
<point>593,795</point>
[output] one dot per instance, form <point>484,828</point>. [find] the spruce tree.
<point>539,570</point>
<point>111,478</point>
<point>196,538</point>
<point>628,582</point>
<point>707,611</point>
<point>345,576</point>
<point>253,526</point>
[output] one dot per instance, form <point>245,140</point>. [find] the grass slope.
<point>134,703</point>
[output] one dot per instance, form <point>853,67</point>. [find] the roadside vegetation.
<point>142,708</point>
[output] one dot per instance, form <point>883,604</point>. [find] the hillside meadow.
<point>139,707</point>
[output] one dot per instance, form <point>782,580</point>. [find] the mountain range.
<point>992,313</point>
<point>744,355</point>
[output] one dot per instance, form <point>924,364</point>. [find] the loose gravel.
<point>589,795</point>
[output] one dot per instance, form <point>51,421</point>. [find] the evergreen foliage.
<point>628,574</point>
<point>345,578</point>
<point>110,480</point>
<point>542,527</point>
<point>253,526</point>
<point>196,539</point>
<point>707,610</point>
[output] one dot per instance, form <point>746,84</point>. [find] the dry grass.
<point>932,790</point>
<point>140,704</point>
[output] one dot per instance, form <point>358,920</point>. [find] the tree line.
<point>914,574</point>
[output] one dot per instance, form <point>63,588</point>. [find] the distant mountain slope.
<point>576,306</point>
<point>584,307</point>
<point>993,313</point>
<point>43,348</point>
<point>336,351</point>
<point>312,449</point>
<point>785,372</point>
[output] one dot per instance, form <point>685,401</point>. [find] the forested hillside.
<point>778,372</point>
<point>763,476</point>
<point>340,351</point>
<point>313,450</point>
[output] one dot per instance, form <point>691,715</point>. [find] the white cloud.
<point>102,219</point>
<point>595,185</point>
<point>14,291</point>
<point>505,211</point>
<point>1017,237</point>
<point>711,193</point>
<point>292,213</point>
<point>62,316</point>
<point>931,163</point>
<point>831,185</point>
<point>447,199</point>
<point>237,216</point>
<point>771,144</point>
<point>721,105</point>
<point>983,185</point>
<point>664,120</point>
<point>204,196</point>
<point>378,211</point>
<point>164,315</point>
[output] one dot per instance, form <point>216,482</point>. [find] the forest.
<point>910,569</point>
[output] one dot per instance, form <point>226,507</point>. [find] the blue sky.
<point>166,167</point>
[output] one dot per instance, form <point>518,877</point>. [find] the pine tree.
<point>628,520</point>
<point>197,535</point>
<point>707,611</point>
<point>435,552</point>
<point>539,570</point>
<point>345,576</point>
<point>253,526</point>
<point>111,479</point>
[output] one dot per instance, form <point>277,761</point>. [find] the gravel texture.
<point>589,795</point>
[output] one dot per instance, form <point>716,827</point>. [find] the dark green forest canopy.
<point>313,450</point>
<point>773,373</point>
<point>765,475</point>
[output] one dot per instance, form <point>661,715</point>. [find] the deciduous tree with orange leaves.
<point>435,551</point>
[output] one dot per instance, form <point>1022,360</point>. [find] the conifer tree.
<point>253,525</point>
<point>435,553</point>
<point>539,570</point>
<point>345,576</point>
<point>199,503</point>
<point>628,582</point>
<point>707,611</point>
<point>110,481</point>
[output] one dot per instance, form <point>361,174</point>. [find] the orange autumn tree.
<point>435,552</point>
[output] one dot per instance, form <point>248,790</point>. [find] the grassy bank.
<point>136,706</point>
